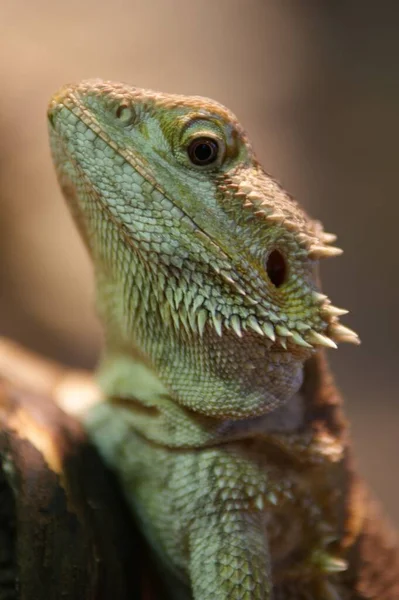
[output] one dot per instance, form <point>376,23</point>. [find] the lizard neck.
<point>139,397</point>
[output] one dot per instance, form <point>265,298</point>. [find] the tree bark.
<point>65,532</point>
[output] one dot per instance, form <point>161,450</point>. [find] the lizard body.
<point>221,419</point>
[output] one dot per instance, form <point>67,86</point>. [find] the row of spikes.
<point>193,314</point>
<point>255,201</point>
<point>197,321</point>
<point>198,317</point>
<point>280,333</point>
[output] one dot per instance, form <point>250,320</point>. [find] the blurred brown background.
<point>316,84</point>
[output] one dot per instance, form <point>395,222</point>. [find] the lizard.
<point>221,418</point>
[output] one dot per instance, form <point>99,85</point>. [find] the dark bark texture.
<point>64,531</point>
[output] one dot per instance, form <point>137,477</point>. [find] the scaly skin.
<point>221,422</point>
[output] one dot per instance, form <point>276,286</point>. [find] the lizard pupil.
<point>203,151</point>
<point>276,268</point>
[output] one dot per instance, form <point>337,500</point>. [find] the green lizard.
<point>221,418</point>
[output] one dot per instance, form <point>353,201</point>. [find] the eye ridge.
<point>203,151</point>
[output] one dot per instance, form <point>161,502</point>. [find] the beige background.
<point>317,86</point>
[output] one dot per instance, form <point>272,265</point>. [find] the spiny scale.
<point>198,312</point>
<point>302,334</point>
<point>318,247</point>
<point>317,252</point>
<point>340,333</point>
<point>333,311</point>
<point>328,238</point>
<point>278,333</point>
<point>256,201</point>
<point>320,340</point>
<point>236,325</point>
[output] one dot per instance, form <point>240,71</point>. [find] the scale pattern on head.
<point>215,244</point>
<point>262,253</point>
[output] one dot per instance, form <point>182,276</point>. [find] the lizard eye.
<point>203,151</point>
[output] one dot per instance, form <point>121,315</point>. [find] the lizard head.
<point>205,265</point>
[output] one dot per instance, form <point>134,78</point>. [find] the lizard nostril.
<point>276,268</point>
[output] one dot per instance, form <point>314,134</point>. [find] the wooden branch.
<point>65,532</point>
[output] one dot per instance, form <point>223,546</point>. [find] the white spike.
<point>328,238</point>
<point>320,340</point>
<point>231,281</point>
<point>272,498</point>
<point>328,563</point>
<point>283,331</point>
<point>252,301</point>
<point>255,196</point>
<point>299,340</point>
<point>275,218</point>
<point>235,322</point>
<point>269,331</point>
<point>217,322</point>
<point>318,297</point>
<point>259,503</point>
<point>344,334</point>
<point>202,317</point>
<point>333,311</point>
<point>253,323</point>
<point>227,277</point>
<point>342,330</point>
<point>316,251</point>
<point>303,238</point>
<point>290,225</point>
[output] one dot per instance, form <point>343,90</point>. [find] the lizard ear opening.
<point>276,268</point>
<point>125,113</point>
